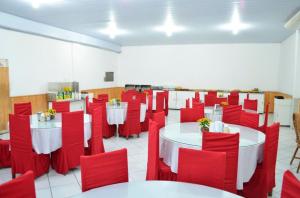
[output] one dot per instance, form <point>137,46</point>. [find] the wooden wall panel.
<point>114,92</point>
<point>4,98</point>
<point>269,98</point>
<point>38,102</point>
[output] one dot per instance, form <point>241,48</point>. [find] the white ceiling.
<point>201,19</point>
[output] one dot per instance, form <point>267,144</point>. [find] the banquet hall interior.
<point>149,98</point>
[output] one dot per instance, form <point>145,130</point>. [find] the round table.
<point>157,189</point>
<point>47,135</point>
<point>116,114</point>
<point>188,135</point>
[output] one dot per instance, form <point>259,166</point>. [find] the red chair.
<point>103,97</point>
<point>160,101</point>
<point>61,107</point>
<point>202,167</point>
<point>249,119</point>
<point>22,108</point>
<point>149,91</point>
<point>220,100</point>
<point>23,157</point>
<point>145,124</point>
<point>197,95</point>
<point>21,187</point>
<point>210,100</point>
<point>212,93</point>
<point>96,145</point>
<point>263,128</point>
<point>263,180</point>
<point>4,154</point>
<point>250,104</point>
<point>100,101</point>
<point>129,96</point>
<point>156,168</point>
<point>229,143</point>
<point>290,186</point>
<point>233,98</point>
<point>166,109</point>
<point>143,97</point>
<point>104,169</point>
<point>232,114</point>
<point>191,114</point>
<point>87,104</point>
<point>187,103</point>
<point>160,119</point>
<point>132,123</point>
<point>68,156</point>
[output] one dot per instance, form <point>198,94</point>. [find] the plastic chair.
<point>202,167</point>
<point>191,114</point>
<point>249,119</point>
<point>61,107</point>
<point>160,119</point>
<point>209,100</point>
<point>22,108</point>
<point>132,123</point>
<point>4,154</point>
<point>228,143</point>
<point>290,186</point>
<point>23,157</point>
<point>68,156</point>
<point>21,187</point>
<point>263,180</point>
<point>232,114</point>
<point>104,169</point>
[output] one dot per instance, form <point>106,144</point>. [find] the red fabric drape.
<point>202,167</point>
<point>290,186</point>
<point>22,108</point>
<point>4,154</point>
<point>104,169</point>
<point>61,107</point>
<point>249,119</point>
<point>232,114</point>
<point>229,143</point>
<point>23,157</point>
<point>68,156</point>
<point>132,123</point>
<point>21,187</point>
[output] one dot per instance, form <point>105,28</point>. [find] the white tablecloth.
<point>156,189</point>
<point>47,136</point>
<point>188,135</point>
<point>117,114</point>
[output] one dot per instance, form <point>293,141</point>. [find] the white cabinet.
<point>283,111</point>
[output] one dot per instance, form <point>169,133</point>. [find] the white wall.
<point>215,66</point>
<point>34,61</point>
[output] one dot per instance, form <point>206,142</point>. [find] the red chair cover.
<point>263,180</point>
<point>187,103</point>
<point>232,114</point>
<point>249,119</point>
<point>160,119</point>
<point>96,145</point>
<point>220,100</point>
<point>202,167</point>
<point>210,100</point>
<point>234,93</point>
<point>143,97</point>
<point>22,108</point>
<point>87,104</point>
<point>101,101</point>
<point>160,101</point>
<point>197,95</point>
<point>191,114</point>
<point>61,107</point>
<point>104,169</point>
<point>233,99</point>
<point>149,91</point>
<point>250,104</point>
<point>129,96</point>
<point>166,109</point>
<point>21,187</point>
<point>103,97</point>
<point>4,154</point>
<point>212,92</point>
<point>290,186</point>
<point>23,157</point>
<point>263,128</point>
<point>145,124</point>
<point>68,156</point>
<point>132,123</point>
<point>92,106</point>
<point>229,143</point>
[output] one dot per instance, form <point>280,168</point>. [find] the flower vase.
<point>204,129</point>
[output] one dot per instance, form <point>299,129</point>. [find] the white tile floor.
<point>59,186</point>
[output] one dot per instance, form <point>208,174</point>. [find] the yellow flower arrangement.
<point>67,89</point>
<point>204,123</point>
<point>50,113</point>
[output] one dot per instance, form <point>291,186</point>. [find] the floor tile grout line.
<point>50,185</point>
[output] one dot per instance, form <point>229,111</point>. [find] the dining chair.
<point>96,141</point>
<point>156,168</point>
<point>149,113</point>
<point>250,104</point>
<point>5,155</point>
<point>296,121</point>
<point>263,180</point>
<point>233,98</point>
<point>197,95</point>
<point>22,108</point>
<point>212,93</point>
<point>209,100</point>
<point>23,157</point>
<point>68,156</point>
<point>101,101</point>
<point>21,187</point>
<point>221,100</point>
<point>160,101</point>
<point>61,107</point>
<point>103,97</point>
<point>202,167</point>
<point>232,114</point>
<point>249,119</point>
<point>104,169</point>
<point>290,185</point>
<point>228,143</point>
<point>160,118</point>
<point>191,114</point>
<point>132,123</point>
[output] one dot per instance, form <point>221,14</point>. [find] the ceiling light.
<point>235,25</point>
<point>169,27</point>
<point>37,3</point>
<point>112,30</point>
